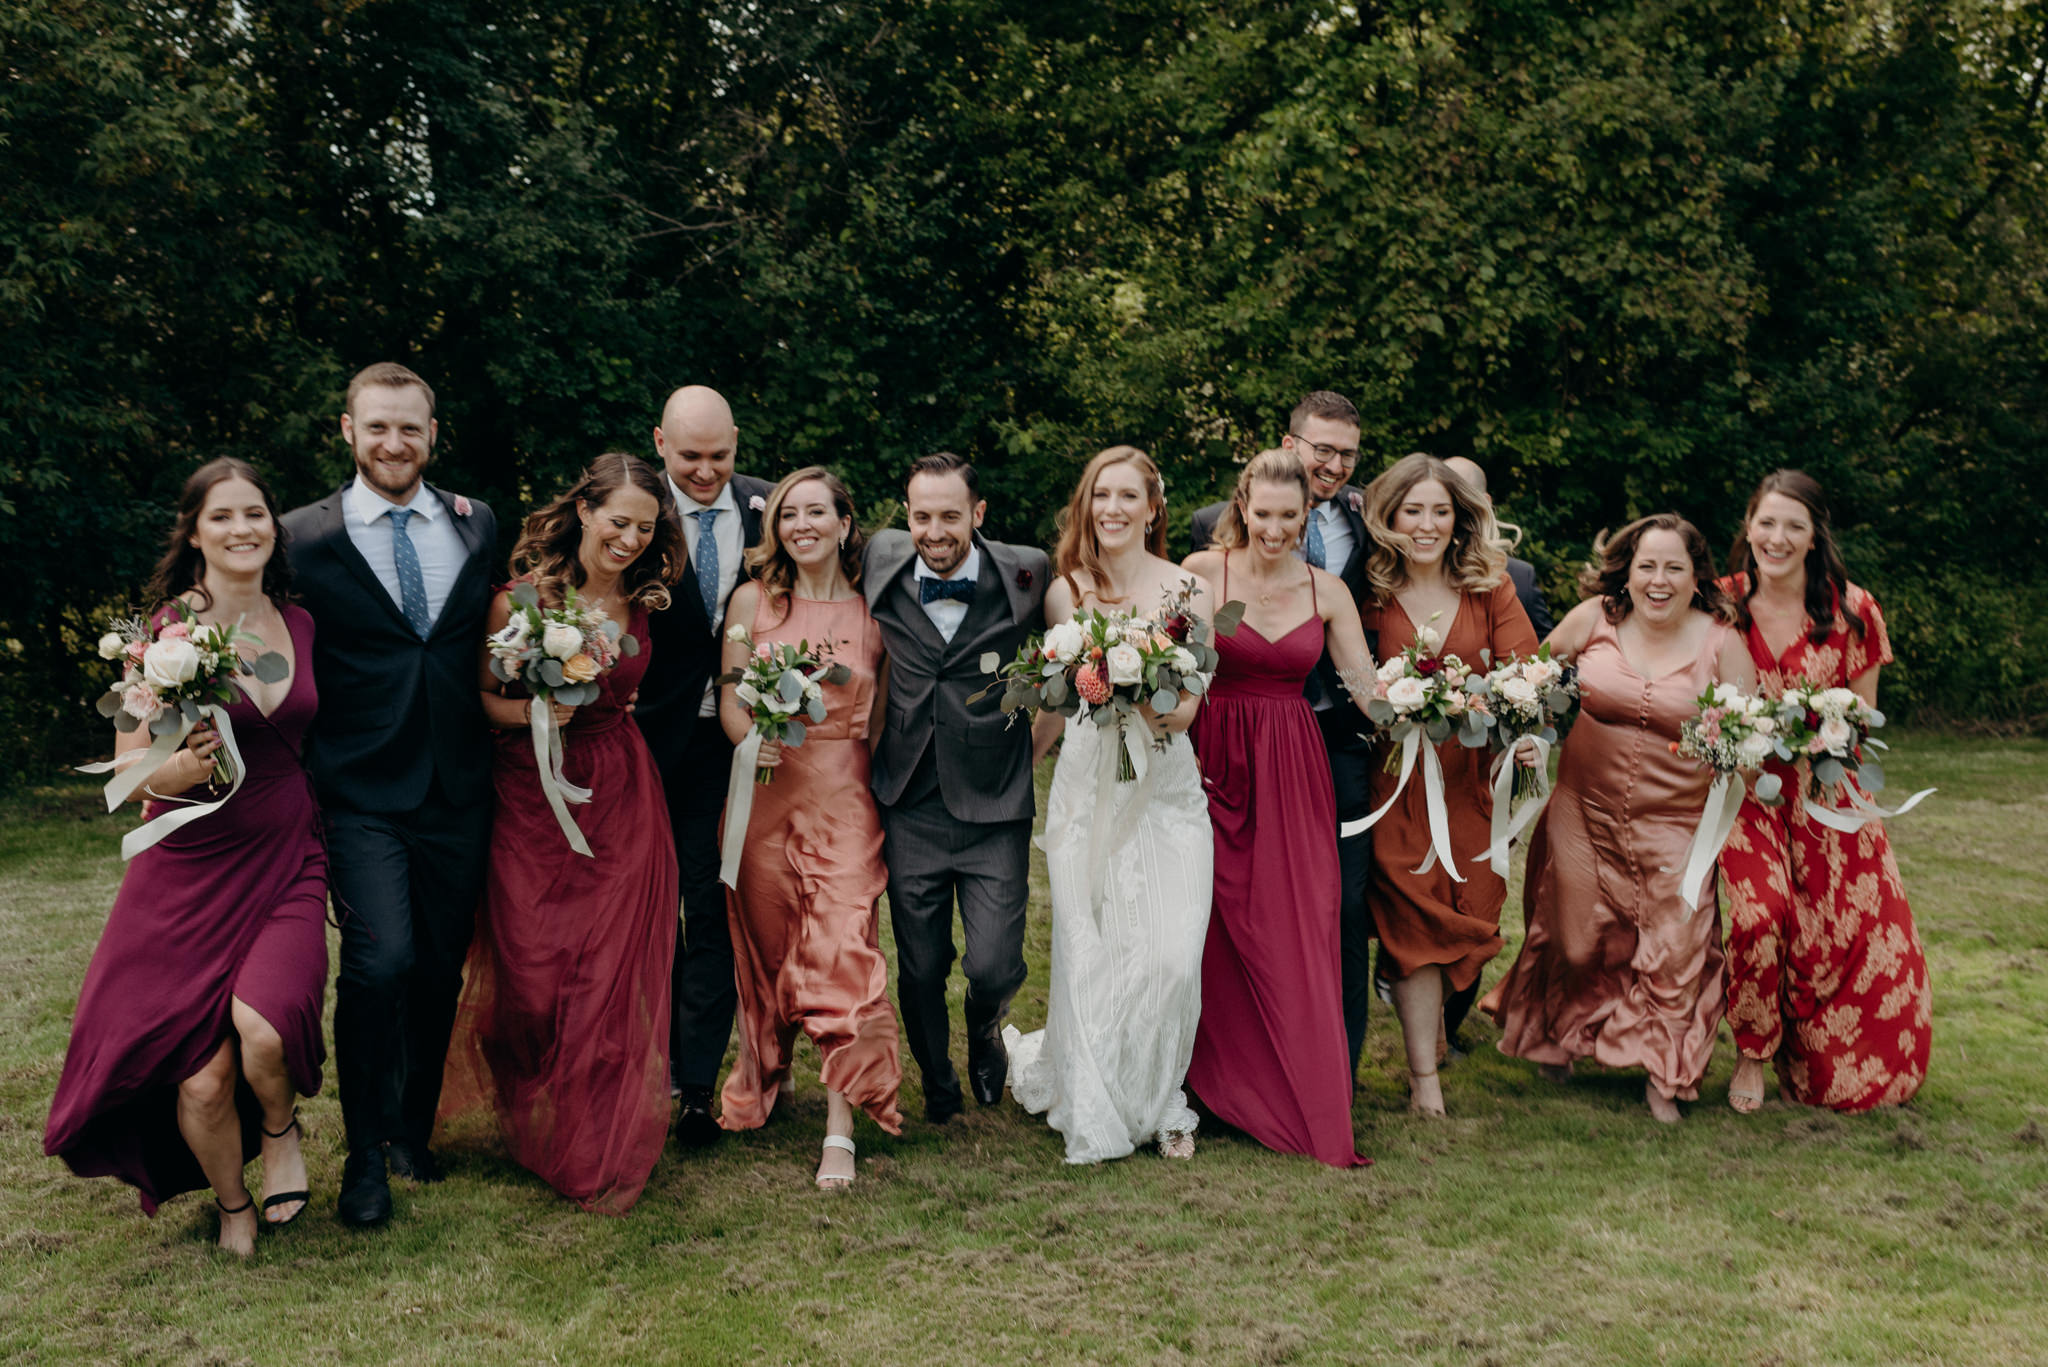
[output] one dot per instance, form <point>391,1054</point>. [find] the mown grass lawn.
<point>1538,1225</point>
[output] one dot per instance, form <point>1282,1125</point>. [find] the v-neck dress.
<point>1825,970</point>
<point>232,905</point>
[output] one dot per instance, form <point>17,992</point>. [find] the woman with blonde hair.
<point>802,905</point>
<point>1130,884</point>
<point>1436,571</point>
<point>1271,1056</point>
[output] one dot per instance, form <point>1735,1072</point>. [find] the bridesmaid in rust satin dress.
<point>802,909</point>
<point>562,1026</point>
<point>1614,967</point>
<point>1437,561</point>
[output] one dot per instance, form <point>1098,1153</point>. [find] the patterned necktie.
<point>707,561</point>
<point>1312,541</point>
<point>933,590</point>
<point>412,584</point>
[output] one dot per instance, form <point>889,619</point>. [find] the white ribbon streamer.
<point>1717,823</point>
<point>130,778</point>
<point>739,808</point>
<point>1508,828</point>
<point>1862,811</point>
<point>1439,818</point>
<point>547,759</point>
<point>1133,739</point>
<point>1410,743</point>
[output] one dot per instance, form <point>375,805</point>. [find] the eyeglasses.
<point>1346,458</point>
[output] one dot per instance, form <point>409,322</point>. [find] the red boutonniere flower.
<point>461,506</point>
<point>1023,579</point>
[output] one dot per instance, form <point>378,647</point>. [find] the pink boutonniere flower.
<point>461,506</point>
<point>1355,499</point>
<point>756,504</point>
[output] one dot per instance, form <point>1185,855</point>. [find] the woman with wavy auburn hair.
<point>562,1029</point>
<point>1437,573</point>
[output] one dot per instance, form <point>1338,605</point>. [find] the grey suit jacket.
<point>984,761</point>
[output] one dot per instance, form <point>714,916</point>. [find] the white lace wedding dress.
<point>1126,964</point>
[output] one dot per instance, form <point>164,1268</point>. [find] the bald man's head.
<point>1469,471</point>
<point>697,441</point>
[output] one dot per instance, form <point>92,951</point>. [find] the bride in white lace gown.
<point>1125,997</point>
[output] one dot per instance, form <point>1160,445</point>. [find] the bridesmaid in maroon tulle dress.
<point>563,1022</point>
<point>1270,1055</point>
<point>200,1015</point>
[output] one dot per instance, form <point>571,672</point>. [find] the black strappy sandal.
<point>284,1198</point>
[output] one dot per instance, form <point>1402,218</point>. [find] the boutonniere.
<point>1023,579</point>
<point>1354,500</point>
<point>461,506</point>
<point>757,504</point>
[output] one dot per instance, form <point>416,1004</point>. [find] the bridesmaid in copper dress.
<point>803,904</point>
<point>1436,560</point>
<point>1826,975</point>
<point>1270,1054</point>
<point>562,1028</point>
<point>199,1020</point>
<point>1615,968</point>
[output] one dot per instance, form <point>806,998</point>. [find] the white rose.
<point>1539,672</point>
<point>738,632</point>
<point>1125,664</point>
<point>1184,660</point>
<point>1764,726</point>
<point>112,647</point>
<point>1753,750</point>
<point>746,693</point>
<point>1838,702</point>
<point>561,640</point>
<point>780,705</point>
<point>1727,694</point>
<point>1391,670</point>
<point>812,692</point>
<point>1835,734</point>
<point>1430,639</point>
<point>1406,694</point>
<point>1065,642</point>
<point>169,664</point>
<point>1137,634</point>
<point>1518,691</point>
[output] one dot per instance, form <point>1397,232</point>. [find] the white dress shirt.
<point>433,534</point>
<point>1338,542</point>
<point>948,613</point>
<point>732,544</point>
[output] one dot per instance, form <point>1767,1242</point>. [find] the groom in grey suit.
<point>953,778</point>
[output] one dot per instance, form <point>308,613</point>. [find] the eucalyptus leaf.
<point>1874,718</point>
<point>1055,691</point>
<point>610,630</point>
<point>790,686</point>
<point>837,674</point>
<point>1165,700</point>
<point>125,722</point>
<point>629,646</point>
<point>1472,739</point>
<point>1438,731</point>
<point>189,709</point>
<point>1770,789</point>
<point>166,722</point>
<point>816,710</point>
<point>525,595</point>
<point>1104,717</point>
<point>793,732</point>
<point>498,670</point>
<point>1195,684</point>
<point>271,667</point>
<point>550,671</point>
<point>1829,771</point>
<point>1871,775</point>
<point>990,662</point>
<point>1477,686</point>
<point>1228,617</point>
<point>109,704</point>
<point>1380,711</point>
<point>1557,700</point>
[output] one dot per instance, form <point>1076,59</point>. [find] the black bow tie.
<point>933,590</point>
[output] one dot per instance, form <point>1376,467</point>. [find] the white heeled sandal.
<point>836,1182</point>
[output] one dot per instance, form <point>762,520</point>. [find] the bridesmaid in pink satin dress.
<point>802,909</point>
<point>1615,967</point>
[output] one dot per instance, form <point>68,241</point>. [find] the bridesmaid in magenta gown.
<point>1270,1055</point>
<point>199,1019</point>
<point>563,1023</point>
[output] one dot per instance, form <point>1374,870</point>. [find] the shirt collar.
<point>968,569</point>
<point>690,507</point>
<point>366,505</point>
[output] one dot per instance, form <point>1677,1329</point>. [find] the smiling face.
<point>943,516</point>
<point>1661,577</point>
<point>235,533</point>
<point>809,525</point>
<point>1328,449</point>
<point>1780,534</point>
<point>616,531</point>
<point>391,430</point>
<point>697,442</point>
<point>1120,507</point>
<point>1274,512</point>
<point>1427,518</point>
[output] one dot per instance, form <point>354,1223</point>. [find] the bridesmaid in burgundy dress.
<point>563,1022</point>
<point>1270,1054</point>
<point>199,1020</point>
<point>1825,971</point>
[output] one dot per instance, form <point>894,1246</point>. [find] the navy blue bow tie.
<point>932,590</point>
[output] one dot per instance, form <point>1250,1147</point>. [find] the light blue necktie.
<point>412,584</point>
<point>1312,541</point>
<point>707,561</point>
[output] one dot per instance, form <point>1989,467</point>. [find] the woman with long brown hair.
<point>562,1028</point>
<point>1436,566</point>
<point>802,905</point>
<point>1616,967</point>
<point>1825,971</point>
<point>199,1021</point>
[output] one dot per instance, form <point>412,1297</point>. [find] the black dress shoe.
<point>365,1191</point>
<point>942,1099</point>
<point>696,1127</point>
<point>988,1067</point>
<point>413,1162</point>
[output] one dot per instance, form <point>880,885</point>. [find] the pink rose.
<point>141,702</point>
<point>756,503</point>
<point>174,631</point>
<point>136,649</point>
<point>462,508</point>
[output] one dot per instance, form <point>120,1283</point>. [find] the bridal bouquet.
<point>781,685</point>
<point>558,653</point>
<point>173,677</point>
<point>1734,733</point>
<point>1421,691</point>
<point>1520,700</point>
<point>1831,728</point>
<point>1107,664</point>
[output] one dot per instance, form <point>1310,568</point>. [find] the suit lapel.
<point>1005,565</point>
<point>476,556</point>
<point>343,545</point>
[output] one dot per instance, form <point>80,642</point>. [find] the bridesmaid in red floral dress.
<point>1825,971</point>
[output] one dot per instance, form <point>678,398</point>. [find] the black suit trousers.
<point>1351,773</point>
<point>700,1019</point>
<point>406,887</point>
